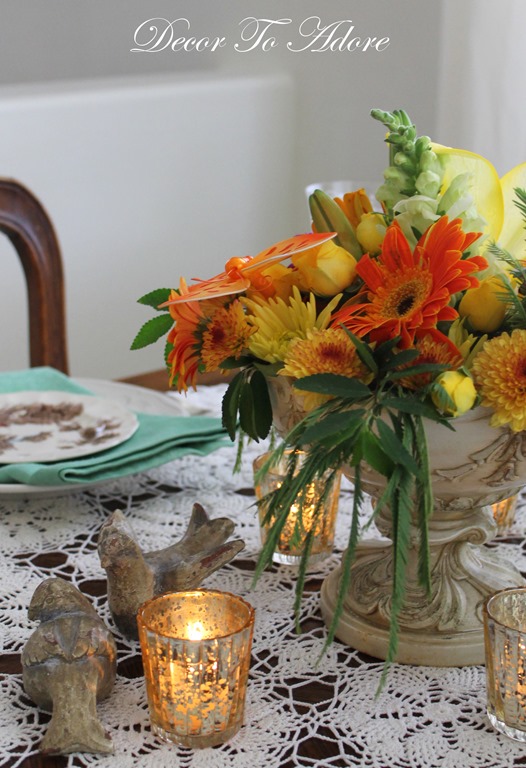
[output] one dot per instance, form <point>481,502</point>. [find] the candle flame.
<point>195,631</point>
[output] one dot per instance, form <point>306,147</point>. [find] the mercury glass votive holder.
<point>504,513</point>
<point>196,655</point>
<point>305,515</point>
<point>505,644</point>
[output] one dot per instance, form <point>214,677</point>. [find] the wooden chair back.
<point>27,225</point>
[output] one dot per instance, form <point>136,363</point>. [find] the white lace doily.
<point>424,718</point>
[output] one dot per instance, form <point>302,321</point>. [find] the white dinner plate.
<point>128,395</point>
<point>43,427</point>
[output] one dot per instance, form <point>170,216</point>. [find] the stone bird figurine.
<point>69,663</point>
<point>135,576</point>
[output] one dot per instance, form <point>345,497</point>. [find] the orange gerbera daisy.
<point>406,290</point>
<point>499,372</point>
<point>184,359</point>
<point>226,335</point>
<point>433,347</point>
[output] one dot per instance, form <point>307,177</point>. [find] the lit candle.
<point>504,513</point>
<point>195,631</point>
<point>304,516</point>
<point>196,654</point>
<point>505,644</point>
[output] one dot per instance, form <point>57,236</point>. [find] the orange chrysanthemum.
<point>499,372</point>
<point>323,351</point>
<point>433,347</point>
<point>407,290</point>
<point>226,335</point>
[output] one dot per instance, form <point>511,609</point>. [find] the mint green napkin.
<point>158,439</point>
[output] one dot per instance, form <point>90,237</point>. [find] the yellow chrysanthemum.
<point>323,351</point>
<point>499,372</point>
<point>277,323</point>
<point>226,335</point>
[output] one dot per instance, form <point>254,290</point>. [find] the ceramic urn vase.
<point>471,468</point>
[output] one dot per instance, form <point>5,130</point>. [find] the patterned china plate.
<point>55,426</point>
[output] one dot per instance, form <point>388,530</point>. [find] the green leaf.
<point>417,369</point>
<point>268,369</point>
<point>375,455</point>
<point>152,330</point>
<point>401,516</point>
<point>247,414</point>
<point>521,202</point>
<point>231,363</point>
<point>357,455</point>
<point>445,401</point>
<point>395,449</point>
<point>261,404</point>
<point>334,385</point>
<point>348,559</point>
<point>156,297</point>
<point>383,351</point>
<point>416,407</point>
<point>167,349</point>
<point>338,424</point>
<point>404,357</point>
<point>386,497</point>
<point>364,351</point>
<point>424,505</point>
<point>230,404</point>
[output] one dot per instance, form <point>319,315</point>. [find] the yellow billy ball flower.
<point>327,350</point>
<point>370,232</point>
<point>327,269</point>
<point>483,306</point>
<point>460,389</point>
<point>499,371</point>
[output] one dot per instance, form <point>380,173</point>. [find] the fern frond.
<point>516,312</point>
<point>424,506</point>
<point>401,515</point>
<point>521,202</point>
<point>348,558</point>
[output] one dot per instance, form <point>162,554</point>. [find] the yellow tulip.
<point>370,232</point>
<point>325,270</point>
<point>482,307</point>
<point>355,205</point>
<point>460,389</point>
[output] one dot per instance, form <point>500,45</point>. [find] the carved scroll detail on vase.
<point>462,575</point>
<point>505,457</point>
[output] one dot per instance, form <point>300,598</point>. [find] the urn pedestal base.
<point>470,468</point>
<point>428,650</point>
<point>443,629</point>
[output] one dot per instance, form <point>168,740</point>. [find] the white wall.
<point>324,117</point>
<point>133,206</point>
<point>482,86</point>
<point>335,90</point>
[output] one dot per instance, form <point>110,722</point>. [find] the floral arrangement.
<point>380,319</point>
